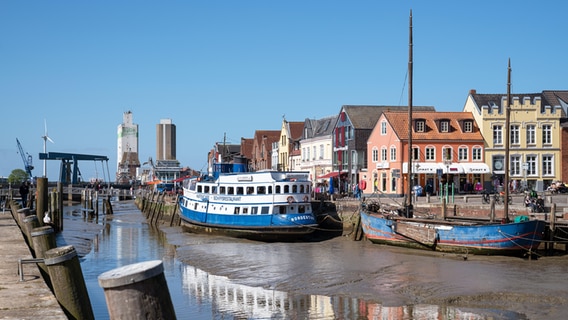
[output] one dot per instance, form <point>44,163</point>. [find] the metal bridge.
<point>69,169</point>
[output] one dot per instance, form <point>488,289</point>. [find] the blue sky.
<point>233,67</point>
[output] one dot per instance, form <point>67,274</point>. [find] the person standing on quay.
<point>24,192</point>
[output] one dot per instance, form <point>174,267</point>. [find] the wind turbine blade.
<point>49,139</point>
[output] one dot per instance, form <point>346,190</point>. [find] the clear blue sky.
<point>234,67</point>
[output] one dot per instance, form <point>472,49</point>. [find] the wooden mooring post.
<point>68,283</point>
<point>137,291</point>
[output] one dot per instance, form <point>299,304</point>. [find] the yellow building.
<point>534,133</point>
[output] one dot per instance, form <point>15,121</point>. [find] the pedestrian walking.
<point>24,192</point>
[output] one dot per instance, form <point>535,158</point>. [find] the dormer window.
<point>444,126</point>
<point>420,125</point>
<point>468,126</point>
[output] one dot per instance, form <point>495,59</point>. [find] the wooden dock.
<point>30,298</point>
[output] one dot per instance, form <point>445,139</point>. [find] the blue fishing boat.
<point>264,205</point>
<point>475,237</point>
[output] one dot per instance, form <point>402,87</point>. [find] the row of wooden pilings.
<point>160,208</point>
<point>137,291</point>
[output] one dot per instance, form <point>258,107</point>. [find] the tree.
<point>17,176</point>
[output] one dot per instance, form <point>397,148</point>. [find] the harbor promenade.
<point>30,298</point>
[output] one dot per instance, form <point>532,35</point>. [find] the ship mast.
<point>408,199</point>
<point>507,143</point>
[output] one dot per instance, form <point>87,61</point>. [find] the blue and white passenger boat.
<point>264,205</point>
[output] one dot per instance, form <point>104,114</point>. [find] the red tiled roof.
<point>399,123</point>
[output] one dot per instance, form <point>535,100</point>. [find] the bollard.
<point>22,214</point>
<point>68,283</point>
<point>30,222</point>
<point>137,291</point>
<point>43,239</point>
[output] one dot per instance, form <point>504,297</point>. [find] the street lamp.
<point>447,162</point>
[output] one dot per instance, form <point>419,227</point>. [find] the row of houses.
<point>367,146</point>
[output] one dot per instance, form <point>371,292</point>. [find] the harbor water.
<point>214,277</point>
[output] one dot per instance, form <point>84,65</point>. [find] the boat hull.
<point>514,238</point>
<point>284,227</point>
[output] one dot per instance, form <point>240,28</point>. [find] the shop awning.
<point>454,168</point>
<point>422,167</point>
<point>475,168</point>
<point>332,174</point>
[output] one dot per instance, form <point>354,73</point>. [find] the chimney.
<point>472,91</point>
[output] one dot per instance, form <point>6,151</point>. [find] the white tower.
<point>127,149</point>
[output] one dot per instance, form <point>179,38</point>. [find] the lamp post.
<point>447,162</point>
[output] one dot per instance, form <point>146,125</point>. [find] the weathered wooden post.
<point>30,222</point>
<point>43,239</point>
<point>42,196</point>
<point>492,210</point>
<point>22,214</point>
<point>552,227</point>
<point>59,212</point>
<point>68,283</point>
<point>137,291</point>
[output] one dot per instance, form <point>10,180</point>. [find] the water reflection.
<point>198,293</point>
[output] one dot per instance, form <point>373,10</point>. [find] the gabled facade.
<point>535,155</point>
<point>446,147</point>
<point>289,144</point>
<point>261,158</point>
<point>353,127</point>
<point>246,151</point>
<point>316,156</point>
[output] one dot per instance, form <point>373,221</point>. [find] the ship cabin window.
<point>206,189</point>
<point>230,190</point>
<point>250,190</point>
<point>195,206</point>
<point>237,210</point>
<point>240,190</point>
<point>245,210</point>
<point>192,185</point>
<point>269,189</point>
<point>294,189</point>
<point>222,190</point>
<point>301,209</point>
<point>277,190</point>
<point>264,210</point>
<point>214,189</point>
<point>261,190</point>
<point>254,210</point>
<point>302,188</point>
<point>286,189</point>
<point>282,209</point>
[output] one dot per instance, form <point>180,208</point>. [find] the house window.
<point>430,153</point>
<point>375,154</point>
<point>531,161</point>
<point>546,134</point>
<point>468,126</point>
<point>321,151</point>
<point>393,154</point>
<point>515,165</point>
<point>383,154</point>
<point>531,134</point>
<point>547,165</point>
<point>497,134</point>
<point>447,153</point>
<point>383,128</point>
<point>462,154</point>
<point>515,134</point>
<point>314,151</point>
<point>420,125</point>
<point>416,153</point>
<point>476,154</point>
<point>445,126</point>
